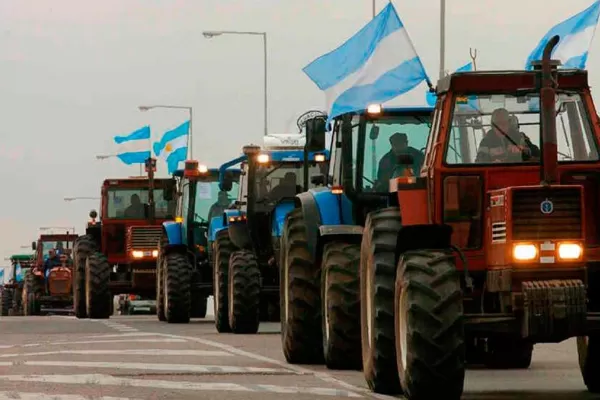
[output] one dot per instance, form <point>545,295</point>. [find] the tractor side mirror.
<point>93,215</point>
<point>315,134</point>
<point>405,159</point>
<point>227,183</point>
<point>318,180</point>
<point>33,246</point>
<point>374,133</point>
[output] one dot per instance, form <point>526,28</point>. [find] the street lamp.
<point>81,198</point>
<point>147,108</point>
<point>105,156</point>
<point>212,34</point>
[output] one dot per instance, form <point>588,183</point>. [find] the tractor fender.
<point>327,233</point>
<point>173,232</point>
<point>282,209</point>
<point>95,231</point>
<point>216,225</point>
<point>239,234</point>
<point>415,237</point>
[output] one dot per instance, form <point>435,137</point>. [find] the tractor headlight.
<point>137,254</point>
<point>374,109</point>
<point>154,253</point>
<point>524,252</point>
<point>262,158</point>
<point>319,157</point>
<point>569,251</point>
<point>203,169</point>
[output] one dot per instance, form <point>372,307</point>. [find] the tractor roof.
<point>291,155</point>
<point>58,236</point>
<point>21,257</point>
<point>507,81</point>
<point>137,182</point>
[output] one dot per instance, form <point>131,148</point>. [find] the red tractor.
<point>492,246</point>
<point>117,255</point>
<point>48,285</point>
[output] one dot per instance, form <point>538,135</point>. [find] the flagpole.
<point>442,37</point>
<point>374,5</point>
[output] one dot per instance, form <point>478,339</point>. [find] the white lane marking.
<point>201,369</point>
<point>31,345</point>
<point>118,335</point>
<point>7,346</point>
<point>140,352</point>
<point>168,340</point>
<point>107,380</point>
<point>323,376</point>
<point>43,396</point>
<point>5,364</point>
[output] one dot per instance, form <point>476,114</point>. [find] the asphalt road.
<point>137,357</point>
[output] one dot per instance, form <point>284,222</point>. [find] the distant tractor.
<point>246,251</point>
<point>184,278</point>
<point>117,255</point>
<point>48,285</point>
<point>12,287</point>
<point>493,245</point>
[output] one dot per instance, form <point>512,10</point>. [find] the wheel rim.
<point>326,305</point>
<point>369,291</point>
<point>403,328</point>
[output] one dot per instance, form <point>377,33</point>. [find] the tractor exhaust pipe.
<point>549,159</point>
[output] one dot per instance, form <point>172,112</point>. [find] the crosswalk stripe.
<point>107,380</point>
<point>140,340</point>
<point>117,335</point>
<point>140,352</point>
<point>44,396</point>
<point>198,369</point>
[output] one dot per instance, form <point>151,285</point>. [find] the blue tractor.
<point>184,272</point>
<point>246,250</point>
<point>321,243</point>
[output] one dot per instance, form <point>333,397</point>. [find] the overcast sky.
<point>74,71</point>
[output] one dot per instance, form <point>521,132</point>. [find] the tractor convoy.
<point>412,243</point>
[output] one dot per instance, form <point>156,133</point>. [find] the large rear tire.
<point>222,253</point>
<point>300,296</point>
<point>340,297</point>
<point>32,288</point>
<point>377,276</point>
<point>430,338</point>
<point>97,293</point>
<point>5,302</point>
<point>588,348</point>
<point>176,283</point>
<point>83,247</point>
<point>244,292</point>
<point>160,292</point>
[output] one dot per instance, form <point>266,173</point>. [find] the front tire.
<point>340,297</point>
<point>300,295</point>
<point>588,349</point>
<point>31,290</point>
<point>244,292</point>
<point>97,294</point>
<point>222,253</point>
<point>176,284</point>
<point>377,276</point>
<point>83,247</point>
<point>430,338</point>
<point>5,302</point>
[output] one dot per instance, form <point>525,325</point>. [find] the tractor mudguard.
<point>95,231</point>
<point>414,237</point>
<point>239,234</point>
<point>173,231</point>
<point>320,207</point>
<point>283,208</point>
<point>216,225</point>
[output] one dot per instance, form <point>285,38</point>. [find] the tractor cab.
<point>271,178</point>
<point>60,244</point>
<point>20,265</point>
<point>129,226</point>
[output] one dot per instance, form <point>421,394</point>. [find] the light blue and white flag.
<point>173,146</point>
<point>135,147</point>
<point>1,275</point>
<point>431,97</point>
<point>576,34</point>
<point>375,65</point>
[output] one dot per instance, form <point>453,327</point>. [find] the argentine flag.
<point>375,65</point>
<point>173,146</point>
<point>576,34</point>
<point>135,147</point>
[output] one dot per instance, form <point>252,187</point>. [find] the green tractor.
<point>12,289</point>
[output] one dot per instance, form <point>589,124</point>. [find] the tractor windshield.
<point>56,245</point>
<point>505,129</point>
<point>132,203</point>
<point>385,139</point>
<point>211,201</point>
<point>276,181</point>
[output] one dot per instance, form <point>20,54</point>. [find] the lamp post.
<point>188,108</point>
<point>212,34</point>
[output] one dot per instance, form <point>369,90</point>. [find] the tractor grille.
<point>529,223</point>
<point>144,237</point>
<point>60,287</point>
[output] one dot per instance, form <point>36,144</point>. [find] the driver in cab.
<point>388,165</point>
<point>52,261</point>
<point>504,143</point>
<point>136,209</point>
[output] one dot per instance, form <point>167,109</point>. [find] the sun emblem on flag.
<point>168,147</point>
